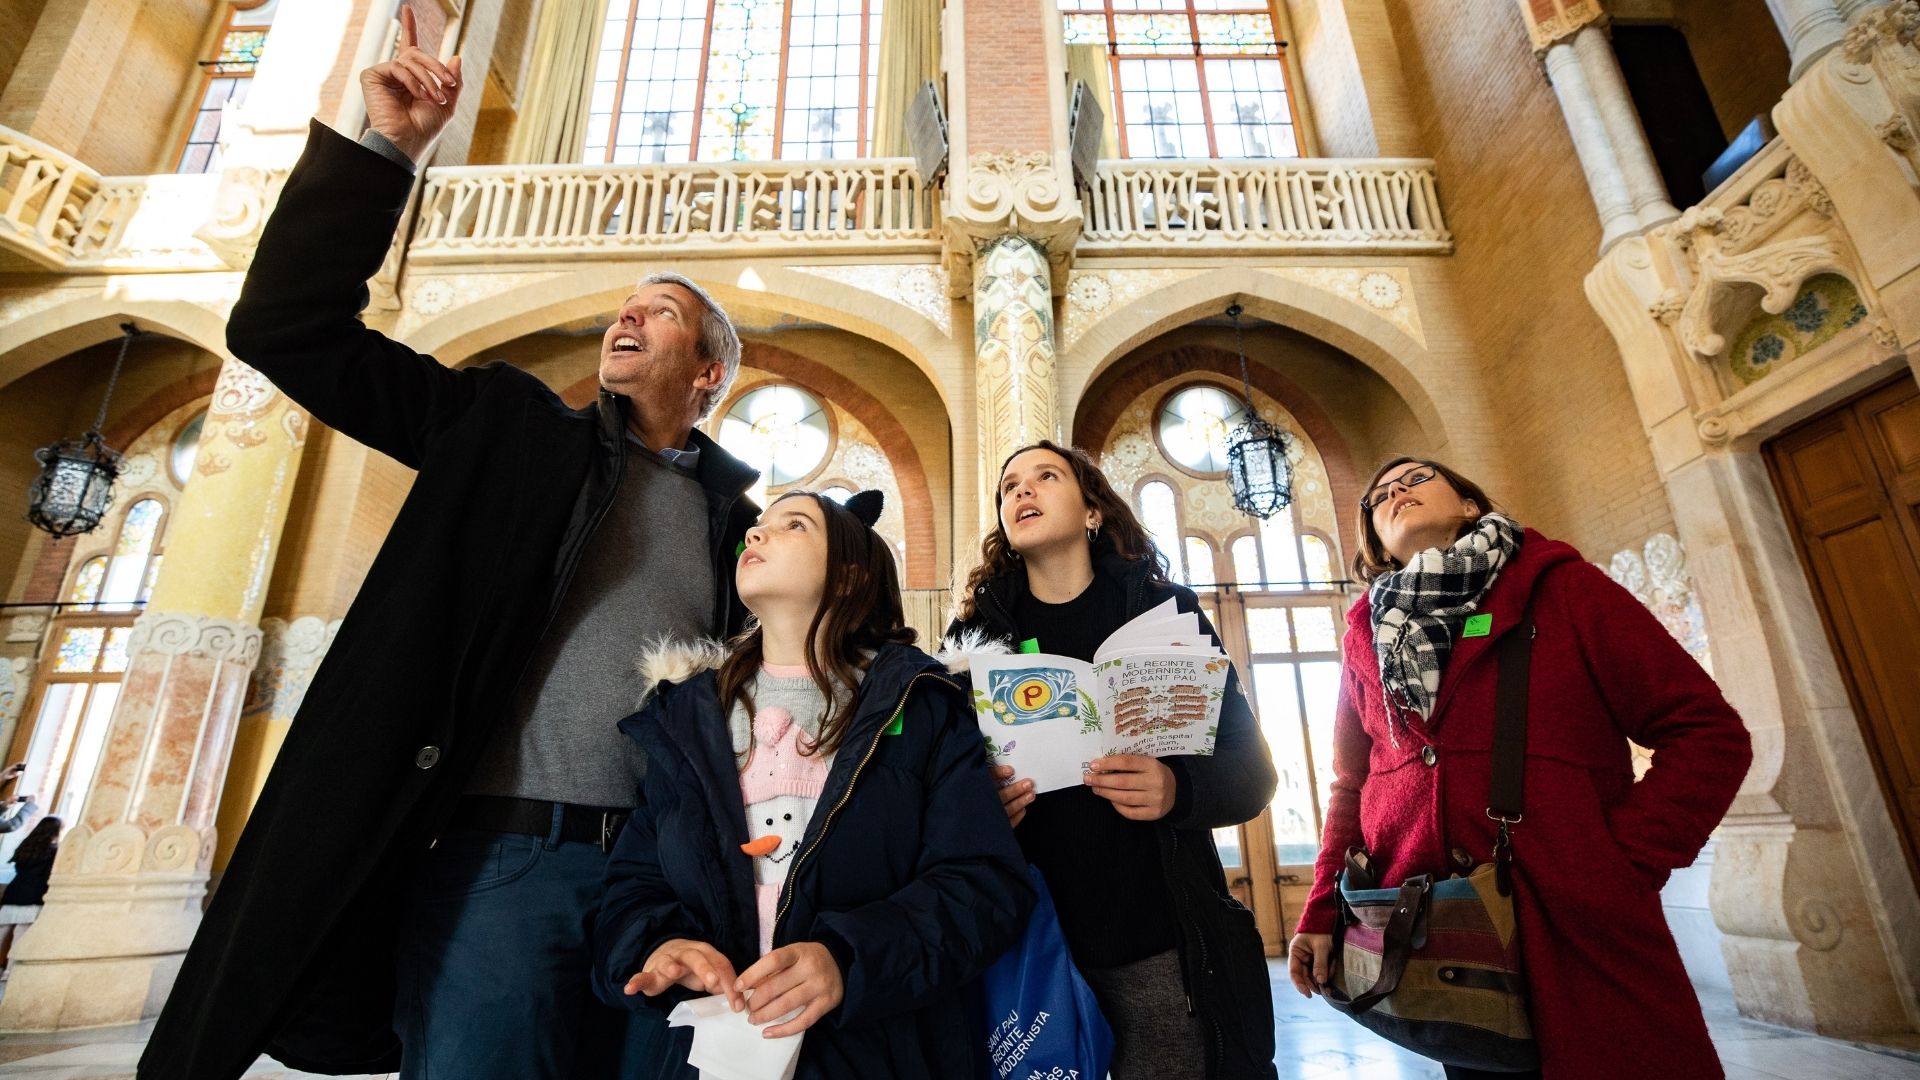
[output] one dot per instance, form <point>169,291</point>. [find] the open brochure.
<point>1153,688</point>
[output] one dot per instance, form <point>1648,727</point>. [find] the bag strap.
<point>1396,948</point>
<point>1505,793</point>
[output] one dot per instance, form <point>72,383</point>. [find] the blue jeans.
<point>494,965</point>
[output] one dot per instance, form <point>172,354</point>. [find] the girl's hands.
<point>800,976</point>
<point>695,965</point>
<point>1140,788</point>
<point>1014,797</point>
<point>1307,959</point>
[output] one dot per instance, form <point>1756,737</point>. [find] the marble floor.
<point>1314,1042</point>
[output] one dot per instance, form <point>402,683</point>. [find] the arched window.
<point>225,77</point>
<point>109,577</point>
<point>85,661</point>
<point>1161,517</point>
<point>734,80</point>
<point>780,430</point>
<point>1191,78</point>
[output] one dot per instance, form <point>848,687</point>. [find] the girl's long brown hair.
<point>860,611</point>
<point>1372,559</point>
<point>1120,531</point>
<point>41,843</point>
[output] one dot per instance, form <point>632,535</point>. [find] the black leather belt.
<point>534,817</point>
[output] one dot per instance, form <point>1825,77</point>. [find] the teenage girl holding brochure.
<point>1176,963</point>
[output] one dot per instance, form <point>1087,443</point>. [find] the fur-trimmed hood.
<point>667,659</point>
<point>671,660</point>
<point>956,651</point>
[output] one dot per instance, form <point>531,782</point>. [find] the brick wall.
<point>1006,73</point>
<point>1526,235</point>
<point>17,19</point>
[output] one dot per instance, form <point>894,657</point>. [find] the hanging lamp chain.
<point>1240,346</point>
<point>129,332</point>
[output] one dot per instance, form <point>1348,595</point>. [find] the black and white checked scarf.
<point>1417,610</point>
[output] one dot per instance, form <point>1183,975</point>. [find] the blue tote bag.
<point>1040,1019</point>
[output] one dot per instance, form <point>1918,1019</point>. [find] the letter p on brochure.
<point>1154,688</point>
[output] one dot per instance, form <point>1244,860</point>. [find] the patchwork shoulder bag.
<point>1434,965</point>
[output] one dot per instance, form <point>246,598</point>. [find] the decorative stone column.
<point>1811,27</point>
<point>1572,44</point>
<point>1624,133</point>
<point>127,890</point>
<point>1605,180</point>
<point>1015,392</point>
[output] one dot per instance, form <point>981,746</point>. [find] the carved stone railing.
<point>58,214</point>
<point>1303,205</point>
<point>538,212</point>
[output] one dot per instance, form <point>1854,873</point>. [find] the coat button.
<point>428,757</point>
<point>1427,755</point>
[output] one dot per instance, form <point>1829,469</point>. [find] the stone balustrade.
<point>58,214</point>
<point>1315,206</point>
<point>540,212</point>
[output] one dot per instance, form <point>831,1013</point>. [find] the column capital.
<point>174,634</point>
<point>1026,194</point>
<point>1550,22</point>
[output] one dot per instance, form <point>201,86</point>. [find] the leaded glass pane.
<point>1157,513</point>
<point>87,582</point>
<point>1086,29</point>
<point>1251,117</point>
<point>1199,562</point>
<point>1319,562</point>
<point>1156,33</point>
<point>779,430</point>
<point>1267,630</point>
<point>79,649</point>
<point>113,656</point>
<point>1277,546</point>
<point>1194,425</point>
<point>1314,628</point>
<point>1246,562</point>
<point>1163,114</point>
<point>1241,32</point>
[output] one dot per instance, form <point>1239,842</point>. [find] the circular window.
<point>186,448</point>
<point>780,430</point>
<point>1194,425</point>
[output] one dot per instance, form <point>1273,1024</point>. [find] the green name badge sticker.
<point>1031,645</point>
<point>740,550</point>
<point>1477,626</point>
<point>895,725</point>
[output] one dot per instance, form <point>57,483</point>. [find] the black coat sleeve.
<point>1236,781</point>
<point>970,896</point>
<point>638,913</point>
<point>298,318</point>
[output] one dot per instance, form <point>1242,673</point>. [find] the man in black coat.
<point>416,885</point>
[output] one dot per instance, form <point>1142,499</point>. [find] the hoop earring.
<point>1093,534</point>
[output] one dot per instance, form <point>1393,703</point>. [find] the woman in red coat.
<point>1412,764</point>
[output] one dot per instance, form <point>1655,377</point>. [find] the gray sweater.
<point>647,572</point>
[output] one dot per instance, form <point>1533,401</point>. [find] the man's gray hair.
<point>718,340</point>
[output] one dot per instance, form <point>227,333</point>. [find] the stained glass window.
<point>1191,78</point>
<point>87,582</point>
<point>79,649</point>
<point>734,80</point>
<point>186,449</point>
<point>781,431</point>
<point>1158,514</point>
<point>1194,425</point>
<point>1199,562</point>
<point>226,75</point>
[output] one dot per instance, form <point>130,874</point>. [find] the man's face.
<point>651,352</point>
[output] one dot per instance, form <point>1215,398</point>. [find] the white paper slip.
<point>727,1046</point>
<point>1154,688</point>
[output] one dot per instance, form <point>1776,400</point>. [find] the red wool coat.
<point>1609,997</point>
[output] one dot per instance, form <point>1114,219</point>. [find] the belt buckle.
<point>606,832</point>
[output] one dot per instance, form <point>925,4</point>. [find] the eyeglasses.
<point>1412,478</point>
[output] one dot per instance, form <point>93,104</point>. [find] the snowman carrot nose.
<point>766,845</point>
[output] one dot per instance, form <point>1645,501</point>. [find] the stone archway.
<point>37,339</point>
<point>1397,357</point>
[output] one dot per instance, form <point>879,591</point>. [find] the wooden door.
<point>1850,482</point>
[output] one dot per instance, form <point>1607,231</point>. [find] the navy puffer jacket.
<point>908,872</point>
